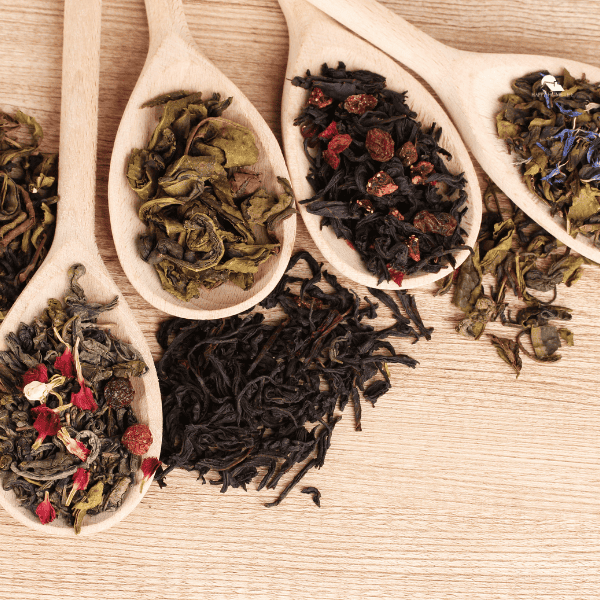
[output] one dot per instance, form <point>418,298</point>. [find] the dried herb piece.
<point>380,178</point>
<point>28,182</point>
<point>208,220</point>
<point>245,393</point>
<point>59,444</point>
<point>521,257</point>
<point>552,124</point>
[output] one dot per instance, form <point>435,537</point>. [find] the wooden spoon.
<point>470,85</point>
<point>174,63</point>
<point>74,242</point>
<point>316,39</point>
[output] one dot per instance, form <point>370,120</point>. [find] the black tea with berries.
<point>379,177</point>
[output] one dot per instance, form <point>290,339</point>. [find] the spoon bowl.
<point>470,85</point>
<point>174,63</point>
<point>74,242</point>
<point>316,39</point>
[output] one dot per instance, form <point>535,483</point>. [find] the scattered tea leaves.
<point>521,257</point>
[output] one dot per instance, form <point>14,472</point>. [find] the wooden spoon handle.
<point>165,18</point>
<point>395,36</point>
<point>78,123</point>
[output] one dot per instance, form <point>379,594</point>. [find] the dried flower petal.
<point>319,99</point>
<point>84,399</point>
<point>396,275</point>
<point>408,154</point>
<point>396,213</point>
<point>380,145</point>
<point>359,104</point>
<point>137,439</point>
<point>442,223</point>
<point>149,466</point>
<point>381,184</point>
<point>81,479</point>
<point>73,446</point>
<point>64,364</point>
<point>45,511</point>
<point>413,248</point>
<point>46,423</point>
<point>330,131</point>
<point>37,373</point>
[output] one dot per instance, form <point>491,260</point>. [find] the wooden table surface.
<point>464,483</point>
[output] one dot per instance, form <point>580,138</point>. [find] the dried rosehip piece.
<point>137,439</point>
<point>380,145</point>
<point>441,223</point>
<point>381,184</point>
<point>319,99</point>
<point>408,154</point>
<point>359,104</point>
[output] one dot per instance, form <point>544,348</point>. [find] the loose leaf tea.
<point>28,181</point>
<point>524,258</point>
<point>208,218</point>
<point>61,431</point>
<point>380,178</point>
<point>241,394</point>
<point>552,124</point>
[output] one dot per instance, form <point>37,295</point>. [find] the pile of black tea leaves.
<point>379,177</point>
<point>28,182</point>
<point>243,394</point>
<point>520,257</point>
<point>70,443</point>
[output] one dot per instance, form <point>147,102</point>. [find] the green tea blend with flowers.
<point>70,444</point>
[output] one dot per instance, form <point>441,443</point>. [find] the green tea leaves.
<point>208,221</point>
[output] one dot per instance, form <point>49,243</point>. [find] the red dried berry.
<point>137,439</point>
<point>118,392</point>
<point>319,99</point>
<point>330,131</point>
<point>380,145</point>
<point>381,184</point>
<point>339,143</point>
<point>359,104</point>
<point>408,154</point>
<point>332,159</point>
<point>442,223</point>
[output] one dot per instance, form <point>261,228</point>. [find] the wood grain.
<point>463,484</point>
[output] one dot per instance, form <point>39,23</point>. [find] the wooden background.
<point>464,483</point>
